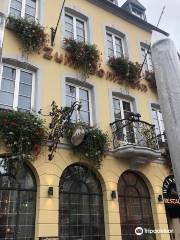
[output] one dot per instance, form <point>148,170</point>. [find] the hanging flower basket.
<point>84,57</point>
<point>127,71</point>
<point>22,133</point>
<point>93,146</point>
<point>31,33</point>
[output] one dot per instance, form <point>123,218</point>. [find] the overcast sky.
<point>171,19</point>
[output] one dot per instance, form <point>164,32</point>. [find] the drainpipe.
<point>167,70</point>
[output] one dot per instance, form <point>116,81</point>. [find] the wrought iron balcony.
<point>134,138</point>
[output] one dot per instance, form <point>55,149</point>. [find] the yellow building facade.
<point>108,26</point>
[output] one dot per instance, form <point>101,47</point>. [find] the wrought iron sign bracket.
<point>60,119</point>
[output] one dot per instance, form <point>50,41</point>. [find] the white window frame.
<point>161,127</point>
<point>121,105</point>
<point>114,36</point>
<point>74,26</point>
<point>114,2</point>
<point>17,82</point>
<point>77,87</point>
<point>23,9</point>
<point>141,15</point>
<point>149,64</point>
<point>122,110</point>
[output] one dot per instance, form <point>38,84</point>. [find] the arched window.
<point>134,205</point>
<point>81,205</point>
<point>17,205</point>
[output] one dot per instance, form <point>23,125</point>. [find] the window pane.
<point>70,91</point>
<point>25,90</point>
<point>81,213</point>
<point>126,106</point>
<point>119,49</point>
<point>13,202</point>
<point>15,8</point>
<point>15,13</point>
<point>84,105</point>
<point>143,52</point>
<point>80,30</point>
<point>15,4</point>
<point>70,101</point>
<point>84,117</point>
<point>117,114</point>
<point>7,85</point>
<point>6,99</point>
<point>9,73</point>
<point>116,103</point>
<point>135,208</point>
<point>83,94</point>
<point>110,45</point>
<point>24,103</point>
<point>30,11</point>
<point>31,3</point>
<point>26,78</point>
<point>69,32</point>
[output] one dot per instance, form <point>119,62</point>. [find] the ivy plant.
<point>23,134</point>
<point>94,145</point>
<point>126,70</point>
<point>31,33</point>
<point>83,56</point>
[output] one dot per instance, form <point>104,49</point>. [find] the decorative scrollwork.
<point>134,131</point>
<point>60,119</point>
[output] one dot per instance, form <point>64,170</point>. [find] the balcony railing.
<point>135,132</point>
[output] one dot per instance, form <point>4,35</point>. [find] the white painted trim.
<point>122,95</point>
<point>72,78</point>
<point>77,89</point>
<point>114,36</point>
<point>17,84</point>
<point>23,9</point>
<point>75,18</point>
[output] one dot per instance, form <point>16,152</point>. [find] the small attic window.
<point>113,1</point>
<point>138,12</point>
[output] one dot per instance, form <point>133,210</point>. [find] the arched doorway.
<point>17,205</point>
<point>135,206</point>
<point>81,205</point>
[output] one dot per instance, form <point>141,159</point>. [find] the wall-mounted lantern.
<point>160,198</point>
<point>113,194</point>
<point>50,191</point>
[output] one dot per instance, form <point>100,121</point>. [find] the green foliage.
<point>128,71</point>
<point>94,145</point>
<point>83,56</point>
<point>31,34</point>
<point>22,132</point>
<point>150,77</point>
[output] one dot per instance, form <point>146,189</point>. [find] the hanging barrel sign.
<point>170,196</point>
<point>169,190</point>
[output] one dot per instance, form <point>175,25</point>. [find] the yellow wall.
<point>51,77</point>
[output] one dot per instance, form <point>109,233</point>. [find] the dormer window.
<point>113,1</point>
<point>137,12</point>
<point>135,8</point>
